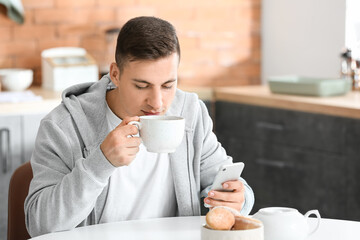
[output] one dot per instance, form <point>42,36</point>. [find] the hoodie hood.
<point>87,105</point>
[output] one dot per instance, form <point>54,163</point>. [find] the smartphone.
<point>227,173</point>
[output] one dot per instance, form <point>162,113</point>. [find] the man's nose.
<point>155,99</point>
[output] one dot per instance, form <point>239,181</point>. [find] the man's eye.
<point>168,86</point>
<point>140,87</point>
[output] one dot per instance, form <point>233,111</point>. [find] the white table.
<point>186,228</point>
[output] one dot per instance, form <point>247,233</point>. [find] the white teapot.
<point>281,223</point>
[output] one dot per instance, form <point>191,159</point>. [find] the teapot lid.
<point>277,210</point>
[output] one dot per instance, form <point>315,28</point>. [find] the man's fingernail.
<point>211,194</point>
<point>226,185</point>
<point>207,200</point>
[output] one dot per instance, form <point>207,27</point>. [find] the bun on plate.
<point>220,219</point>
<point>225,218</point>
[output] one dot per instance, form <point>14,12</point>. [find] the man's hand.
<point>117,147</point>
<point>234,199</point>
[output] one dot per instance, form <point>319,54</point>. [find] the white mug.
<point>161,134</point>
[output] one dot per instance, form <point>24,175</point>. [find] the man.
<point>87,170</point>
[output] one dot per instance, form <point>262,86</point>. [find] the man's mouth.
<point>151,113</point>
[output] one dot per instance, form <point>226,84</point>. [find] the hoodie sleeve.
<point>63,190</point>
<point>213,157</point>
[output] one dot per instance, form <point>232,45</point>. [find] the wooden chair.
<point>18,190</point>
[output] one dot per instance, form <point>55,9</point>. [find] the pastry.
<point>220,219</point>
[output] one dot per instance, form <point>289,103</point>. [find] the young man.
<point>88,171</point>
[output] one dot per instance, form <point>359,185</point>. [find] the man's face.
<point>144,87</point>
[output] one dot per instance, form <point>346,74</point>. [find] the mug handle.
<point>136,124</point>
<point>315,212</point>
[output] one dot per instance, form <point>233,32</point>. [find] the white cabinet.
<point>10,142</point>
<point>10,158</point>
<point>17,140</point>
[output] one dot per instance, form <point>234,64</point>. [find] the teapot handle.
<point>316,212</point>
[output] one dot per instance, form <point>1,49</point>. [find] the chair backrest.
<point>18,190</point>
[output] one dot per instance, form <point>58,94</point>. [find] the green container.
<point>298,85</point>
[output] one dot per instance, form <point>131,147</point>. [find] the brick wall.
<point>220,39</point>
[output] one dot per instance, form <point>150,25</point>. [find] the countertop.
<point>343,106</point>
<point>51,99</point>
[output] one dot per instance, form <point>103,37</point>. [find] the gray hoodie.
<point>72,176</point>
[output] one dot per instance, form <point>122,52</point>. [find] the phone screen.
<point>227,173</point>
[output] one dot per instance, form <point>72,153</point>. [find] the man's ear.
<point>115,74</point>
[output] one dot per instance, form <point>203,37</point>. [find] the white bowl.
<point>250,234</point>
<point>16,79</point>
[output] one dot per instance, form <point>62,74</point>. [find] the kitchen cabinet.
<point>294,158</point>
<point>17,140</point>
<point>10,158</point>
<point>353,153</point>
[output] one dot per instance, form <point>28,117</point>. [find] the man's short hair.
<point>145,38</point>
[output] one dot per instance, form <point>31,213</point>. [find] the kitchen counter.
<point>51,99</point>
<point>260,95</point>
<point>204,93</point>
<point>344,106</point>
